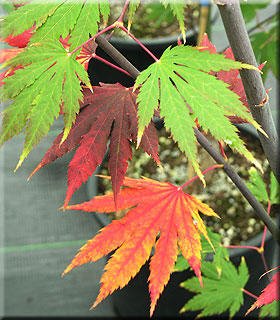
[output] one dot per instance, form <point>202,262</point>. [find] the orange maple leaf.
<point>269,294</point>
<point>155,207</point>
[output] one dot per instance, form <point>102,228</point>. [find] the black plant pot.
<point>133,300</point>
<point>100,72</point>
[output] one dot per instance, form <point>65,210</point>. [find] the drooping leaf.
<point>274,190</point>
<point>269,294</point>
<point>177,8</point>
<point>50,77</point>
<point>109,106</point>
<point>222,289</point>
<point>155,206</point>
<point>257,186</point>
<point>133,5</point>
<point>176,80</point>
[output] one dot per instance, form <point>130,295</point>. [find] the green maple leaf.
<point>24,17</point>
<point>274,190</point>
<point>177,8</point>
<point>220,252</point>
<point>179,85</point>
<point>270,310</point>
<point>57,19</point>
<point>133,5</point>
<point>224,287</point>
<point>51,77</point>
<point>257,186</point>
<point>265,45</point>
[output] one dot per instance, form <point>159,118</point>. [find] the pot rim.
<point>157,41</point>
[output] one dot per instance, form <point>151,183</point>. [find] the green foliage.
<point>133,5</point>
<point>220,251</point>
<point>24,17</point>
<point>265,45</point>
<point>274,190</point>
<point>52,79</point>
<point>249,10</point>
<point>270,310</point>
<point>257,186</point>
<point>176,80</point>
<point>56,19</point>
<point>158,13</point>
<point>222,289</point>
<point>177,7</point>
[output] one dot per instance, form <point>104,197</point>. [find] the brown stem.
<point>125,64</point>
<point>255,92</point>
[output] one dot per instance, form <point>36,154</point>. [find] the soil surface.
<point>153,20</point>
<point>238,221</point>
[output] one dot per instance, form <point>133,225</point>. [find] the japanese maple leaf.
<point>179,84</point>
<point>231,77</point>
<point>269,293</point>
<point>110,106</point>
<point>50,77</point>
<point>154,207</point>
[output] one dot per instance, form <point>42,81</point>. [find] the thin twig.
<point>258,25</point>
<point>126,5</point>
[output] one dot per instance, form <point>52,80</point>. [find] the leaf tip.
<point>34,171</point>
<point>182,310</point>
<point>18,165</point>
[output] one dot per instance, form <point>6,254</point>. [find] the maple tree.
<point>194,89</point>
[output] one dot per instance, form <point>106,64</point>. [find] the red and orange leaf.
<point>87,52</point>
<point>156,209</point>
<point>109,109</point>
<point>270,293</point>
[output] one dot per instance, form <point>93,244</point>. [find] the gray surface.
<point>33,283</point>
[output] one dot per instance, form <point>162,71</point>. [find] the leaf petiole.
<point>111,64</point>
<point>203,172</point>
<point>137,41</point>
<point>95,36</point>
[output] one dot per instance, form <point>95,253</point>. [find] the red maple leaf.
<point>20,40</point>
<point>155,207</point>
<point>270,293</point>
<point>231,77</point>
<point>87,52</point>
<point>109,106</point>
